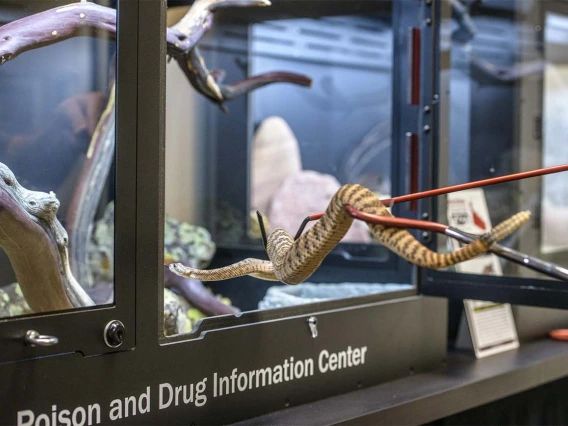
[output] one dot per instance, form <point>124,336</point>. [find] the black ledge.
<point>462,384</point>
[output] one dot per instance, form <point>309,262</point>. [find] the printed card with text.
<point>491,325</point>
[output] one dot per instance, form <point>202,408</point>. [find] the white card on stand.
<point>491,325</point>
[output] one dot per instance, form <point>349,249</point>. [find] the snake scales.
<point>294,261</point>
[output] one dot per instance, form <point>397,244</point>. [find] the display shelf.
<point>462,384</point>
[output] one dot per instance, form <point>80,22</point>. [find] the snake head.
<point>179,269</point>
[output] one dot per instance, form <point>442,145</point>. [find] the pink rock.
<point>304,193</point>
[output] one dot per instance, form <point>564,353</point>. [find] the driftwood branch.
<point>51,253</point>
<point>184,36</point>
<point>55,25</point>
<point>35,254</point>
<point>231,91</point>
<point>90,186</point>
<point>33,258</point>
<point>88,19</point>
<point>73,20</point>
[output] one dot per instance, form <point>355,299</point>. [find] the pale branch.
<point>33,256</point>
<point>41,208</point>
<point>75,20</point>
<point>90,185</point>
<point>88,19</point>
<point>185,35</point>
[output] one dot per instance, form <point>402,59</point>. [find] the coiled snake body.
<point>294,261</point>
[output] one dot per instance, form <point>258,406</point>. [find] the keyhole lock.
<point>313,325</point>
<point>114,333</point>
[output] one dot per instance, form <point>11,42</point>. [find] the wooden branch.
<point>33,255</point>
<point>231,91</point>
<point>41,208</point>
<point>55,25</point>
<point>208,83</point>
<point>89,19</point>
<point>88,191</point>
<point>197,295</point>
<point>184,36</point>
<point>74,20</point>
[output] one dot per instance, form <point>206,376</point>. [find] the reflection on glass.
<point>283,149</point>
<point>507,108</point>
<point>554,238</point>
<point>57,141</point>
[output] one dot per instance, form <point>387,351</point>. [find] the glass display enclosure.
<point>276,108</point>
<point>284,149</point>
<point>136,135</point>
<point>57,149</point>
<point>63,173</point>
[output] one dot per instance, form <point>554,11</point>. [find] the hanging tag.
<point>490,326</point>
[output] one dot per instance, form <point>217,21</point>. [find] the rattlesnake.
<point>294,261</point>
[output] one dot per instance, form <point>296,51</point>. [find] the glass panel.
<point>508,105</point>
<point>57,141</point>
<point>283,149</point>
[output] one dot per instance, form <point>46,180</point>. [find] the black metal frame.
<point>405,333</point>
<point>81,330</point>
<point>75,380</point>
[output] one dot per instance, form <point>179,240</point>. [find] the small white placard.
<point>491,325</point>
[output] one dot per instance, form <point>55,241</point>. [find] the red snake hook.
<point>426,225</point>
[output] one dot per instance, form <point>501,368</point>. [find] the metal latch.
<point>313,324</point>
<point>33,338</point>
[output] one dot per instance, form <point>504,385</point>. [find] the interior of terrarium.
<point>282,151</point>
<point>507,87</point>
<point>57,139</point>
<point>275,112</point>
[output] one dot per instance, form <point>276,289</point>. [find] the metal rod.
<point>531,262</point>
<point>440,191</point>
<point>398,222</point>
<point>476,184</point>
<point>547,268</point>
<point>262,229</point>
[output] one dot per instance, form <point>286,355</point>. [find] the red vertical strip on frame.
<point>414,162</point>
<point>415,68</point>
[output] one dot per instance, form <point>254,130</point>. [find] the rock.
<point>275,156</point>
<point>189,244</point>
<point>12,302</point>
<point>176,320</point>
<point>305,193</point>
